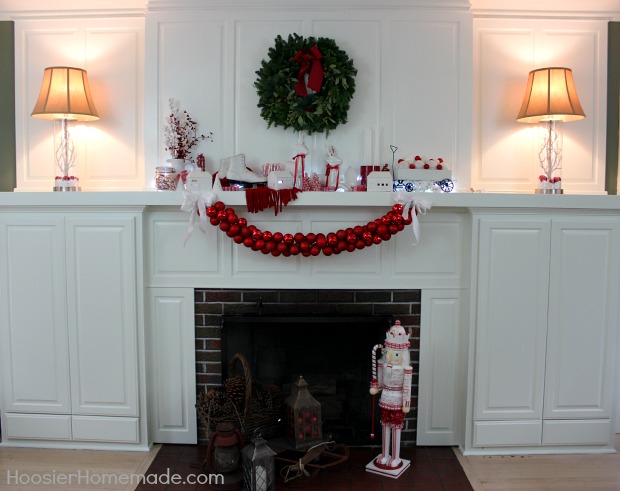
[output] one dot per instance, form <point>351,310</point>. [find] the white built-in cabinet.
<point>544,331</point>
<point>70,329</point>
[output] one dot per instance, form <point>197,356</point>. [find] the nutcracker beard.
<point>392,422</point>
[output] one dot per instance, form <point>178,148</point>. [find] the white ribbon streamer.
<point>196,205</point>
<point>417,207</point>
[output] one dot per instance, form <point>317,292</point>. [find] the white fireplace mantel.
<point>519,295</point>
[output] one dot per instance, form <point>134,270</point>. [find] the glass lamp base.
<point>549,191</point>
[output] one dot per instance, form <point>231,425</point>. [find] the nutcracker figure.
<point>391,376</point>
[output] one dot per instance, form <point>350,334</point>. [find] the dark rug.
<point>179,467</point>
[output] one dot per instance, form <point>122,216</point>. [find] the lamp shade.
<point>65,94</point>
<point>550,95</point>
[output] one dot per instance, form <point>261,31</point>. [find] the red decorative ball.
<point>288,239</point>
<point>246,231</point>
<point>222,216</point>
<point>259,244</point>
<point>367,236</point>
<point>257,234</point>
<point>371,227</point>
<point>214,221</point>
<point>282,247</point>
<point>294,249</point>
<point>342,245</point>
<point>398,208</point>
<point>211,212</point>
<point>248,242</point>
<point>358,230</point>
<point>351,238</point>
<point>238,239</point>
<point>243,222</point>
<point>311,237</point>
<point>233,230</point>
<point>393,229</point>
<point>332,239</point>
<point>267,235</point>
<point>397,219</point>
<point>321,241</point>
<point>219,206</point>
<point>299,237</point>
<point>400,226</point>
<point>341,234</point>
<point>328,251</point>
<point>270,245</point>
<point>359,244</point>
<point>386,220</point>
<point>277,236</point>
<point>382,230</point>
<point>350,247</point>
<point>315,250</point>
<point>376,239</point>
<point>304,246</point>
<point>224,226</point>
<point>408,220</point>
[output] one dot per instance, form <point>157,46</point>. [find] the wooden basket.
<point>247,404</point>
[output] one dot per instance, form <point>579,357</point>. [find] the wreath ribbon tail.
<point>196,205</point>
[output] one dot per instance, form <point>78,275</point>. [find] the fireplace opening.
<point>332,353</point>
<point>347,318</point>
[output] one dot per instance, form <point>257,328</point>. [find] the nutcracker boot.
<point>395,461</point>
<point>384,458</point>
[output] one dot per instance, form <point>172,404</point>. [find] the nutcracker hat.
<point>397,337</point>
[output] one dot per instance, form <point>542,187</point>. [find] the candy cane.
<point>374,383</point>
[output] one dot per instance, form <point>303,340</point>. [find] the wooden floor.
<point>20,469</point>
<point>544,472</point>
<point>36,469</point>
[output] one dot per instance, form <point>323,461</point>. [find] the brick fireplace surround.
<point>212,304</point>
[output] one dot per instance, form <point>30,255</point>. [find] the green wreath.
<point>283,95</point>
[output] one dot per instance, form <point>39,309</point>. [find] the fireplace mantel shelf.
<point>318,200</point>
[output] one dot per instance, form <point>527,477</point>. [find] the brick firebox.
<point>212,304</point>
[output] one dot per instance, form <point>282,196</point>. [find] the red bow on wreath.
<point>310,62</point>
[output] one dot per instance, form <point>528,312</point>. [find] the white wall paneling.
<point>208,60</point>
<point>110,150</point>
<point>505,151</point>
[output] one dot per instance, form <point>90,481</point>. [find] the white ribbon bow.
<point>417,207</point>
<point>196,205</point>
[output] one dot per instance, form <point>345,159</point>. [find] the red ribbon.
<point>310,62</point>
<point>328,171</point>
<point>302,157</point>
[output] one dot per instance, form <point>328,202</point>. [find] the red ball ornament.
<point>288,239</point>
<point>282,247</point>
<point>321,241</point>
<point>332,239</point>
<point>232,218</point>
<point>224,226</point>
<point>393,229</point>
<point>277,236</point>
<point>350,247</point>
<point>270,245</point>
<point>398,208</point>
<point>351,238</point>
<point>294,249</point>
<point>246,231</point>
<point>359,244</point>
<point>341,235</point>
<point>243,222</point>
<point>299,237</point>
<point>408,220</point>
<point>371,227</point>
<point>342,245</point>
<point>328,251</point>
<point>315,250</point>
<point>248,242</point>
<point>214,221</point>
<point>211,212</point>
<point>358,230</point>
<point>238,239</point>
<point>400,226</point>
<point>219,206</point>
<point>259,244</point>
<point>234,228</point>
<point>267,235</point>
<point>311,237</point>
<point>386,220</point>
<point>377,240</point>
<point>304,246</point>
<point>222,216</point>
<point>382,230</point>
<point>397,219</point>
<point>367,236</point>
<point>257,234</point>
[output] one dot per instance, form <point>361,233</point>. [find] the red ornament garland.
<point>311,244</point>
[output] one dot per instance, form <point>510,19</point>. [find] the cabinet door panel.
<point>513,257</point>
<point>102,315</point>
<point>33,334</point>
<point>583,299</point>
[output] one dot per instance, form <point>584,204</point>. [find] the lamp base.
<point>60,188</point>
<point>549,191</point>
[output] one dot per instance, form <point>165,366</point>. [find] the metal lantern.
<point>303,417</point>
<point>258,466</point>
<point>223,454</point>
